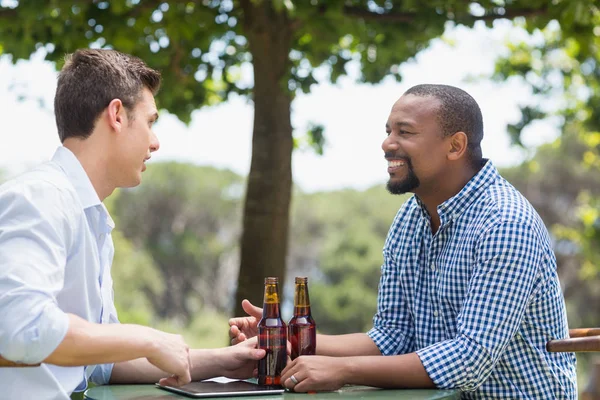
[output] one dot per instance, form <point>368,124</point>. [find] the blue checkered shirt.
<point>478,300</point>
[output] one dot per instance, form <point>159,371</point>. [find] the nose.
<point>154,143</point>
<point>389,144</point>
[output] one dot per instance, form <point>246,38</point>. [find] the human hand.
<point>239,361</point>
<point>242,328</point>
<point>171,354</point>
<point>314,373</point>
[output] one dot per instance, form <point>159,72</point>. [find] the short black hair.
<point>458,112</point>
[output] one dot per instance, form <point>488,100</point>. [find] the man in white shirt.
<point>56,250</point>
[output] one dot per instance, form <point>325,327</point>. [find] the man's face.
<point>137,141</point>
<point>415,146</point>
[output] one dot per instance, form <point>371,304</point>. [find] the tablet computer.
<point>223,389</point>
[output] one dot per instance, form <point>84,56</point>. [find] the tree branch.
<point>390,17</point>
<point>510,14</point>
<point>6,13</point>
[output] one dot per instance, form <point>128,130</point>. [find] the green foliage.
<point>338,242</point>
<point>562,66</point>
<point>200,47</point>
<point>136,280</point>
<point>565,191</point>
<point>179,229</point>
<point>207,329</point>
<point>187,220</point>
<point>314,139</point>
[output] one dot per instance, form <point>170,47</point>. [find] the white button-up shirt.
<point>55,256</point>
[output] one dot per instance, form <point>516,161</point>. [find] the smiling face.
<point>136,141</point>
<point>415,146</point>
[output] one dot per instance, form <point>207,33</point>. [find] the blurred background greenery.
<point>192,241</point>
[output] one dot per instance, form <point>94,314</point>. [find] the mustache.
<point>390,155</point>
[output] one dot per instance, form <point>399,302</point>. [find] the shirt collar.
<point>458,204</point>
<point>67,161</point>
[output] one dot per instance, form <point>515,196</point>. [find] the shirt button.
<point>432,266</point>
<point>435,313</point>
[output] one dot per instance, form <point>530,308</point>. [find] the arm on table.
<point>318,373</point>
<point>236,362</point>
<point>353,344</point>
<point>86,343</point>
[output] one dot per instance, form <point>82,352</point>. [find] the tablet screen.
<point>223,389</point>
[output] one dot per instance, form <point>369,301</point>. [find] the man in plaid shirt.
<point>469,294</point>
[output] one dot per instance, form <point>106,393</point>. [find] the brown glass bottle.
<point>301,327</point>
<point>272,336</point>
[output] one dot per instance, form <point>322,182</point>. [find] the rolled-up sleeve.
<point>101,373</point>
<point>505,276</point>
<point>34,238</point>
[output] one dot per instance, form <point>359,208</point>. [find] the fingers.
<point>257,354</point>
<point>243,327</point>
<point>251,309</point>
<point>234,331</point>
<point>170,381</point>
<point>251,352</point>
<point>238,322</point>
<point>288,370</point>
<point>293,382</point>
<point>185,379</point>
<point>238,339</point>
<point>176,380</point>
<point>173,357</point>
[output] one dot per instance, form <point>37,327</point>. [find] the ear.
<point>458,146</point>
<point>116,114</point>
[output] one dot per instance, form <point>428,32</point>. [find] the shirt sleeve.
<point>34,238</point>
<point>393,328</point>
<point>505,276</point>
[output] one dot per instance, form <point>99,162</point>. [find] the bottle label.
<point>274,341</point>
<point>303,339</point>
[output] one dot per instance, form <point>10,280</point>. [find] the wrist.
<point>205,364</point>
<point>218,357</point>
<point>347,370</point>
<point>149,341</point>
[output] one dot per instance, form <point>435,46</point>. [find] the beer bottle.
<point>302,327</point>
<point>272,336</point>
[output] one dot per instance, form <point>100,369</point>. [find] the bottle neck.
<point>301,300</point>
<point>301,311</point>
<point>271,301</point>
<point>271,310</point>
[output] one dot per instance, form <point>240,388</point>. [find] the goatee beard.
<point>409,184</point>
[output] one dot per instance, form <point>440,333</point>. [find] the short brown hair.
<point>90,80</point>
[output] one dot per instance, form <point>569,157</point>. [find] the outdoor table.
<point>151,392</point>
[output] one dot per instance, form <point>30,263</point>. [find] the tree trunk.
<point>268,194</point>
